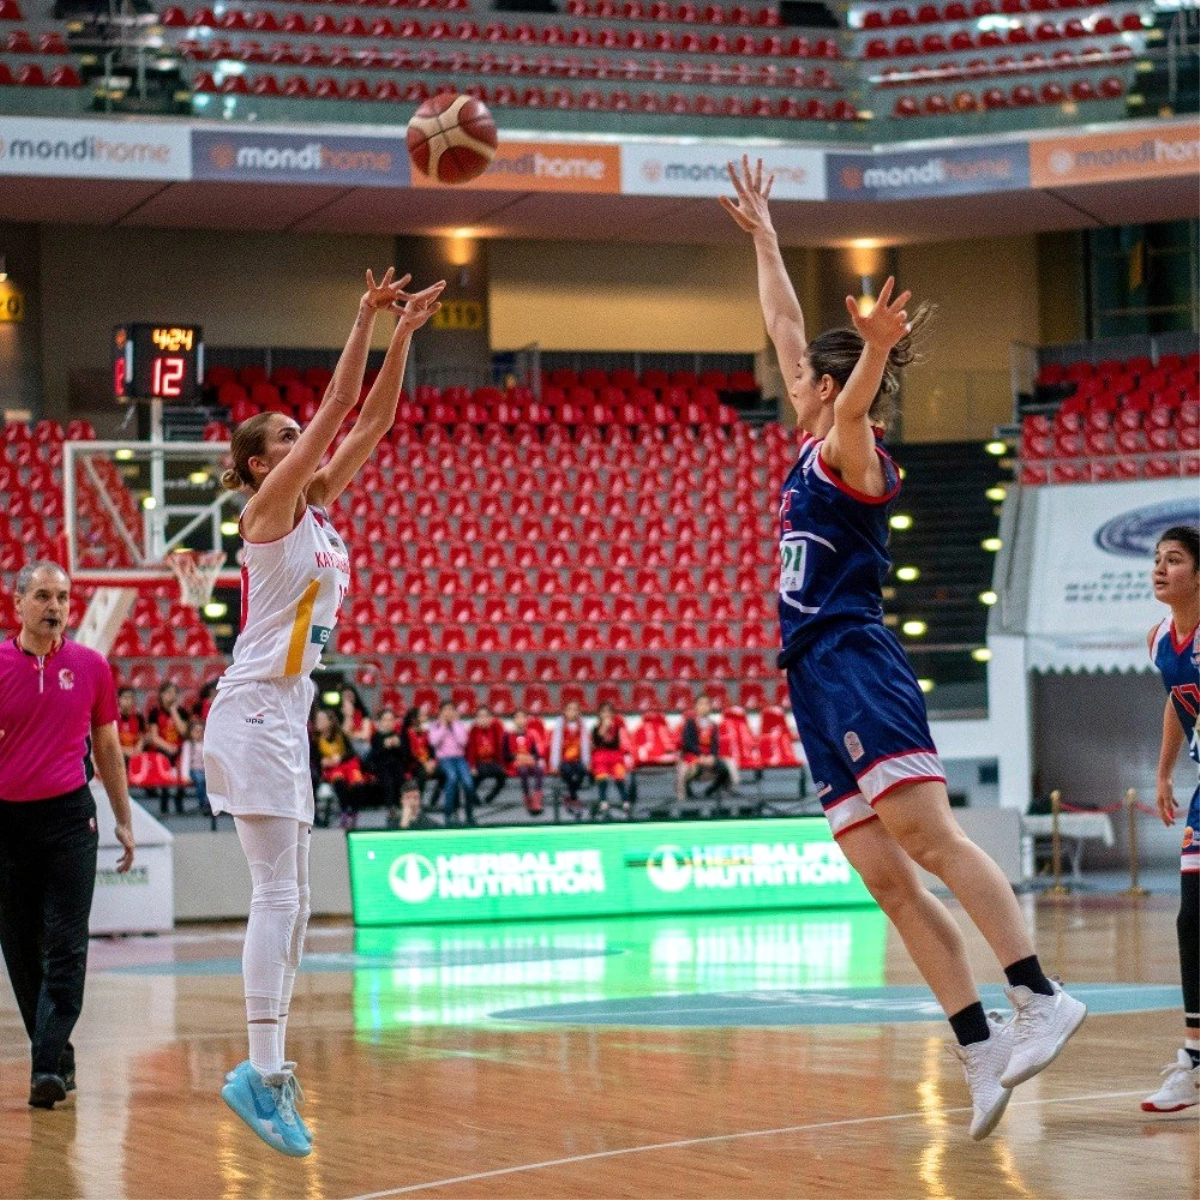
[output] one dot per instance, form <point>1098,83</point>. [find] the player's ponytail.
<point>836,353</point>
<point>1187,536</point>
<point>249,440</point>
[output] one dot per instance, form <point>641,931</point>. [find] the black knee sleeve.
<point>1188,927</point>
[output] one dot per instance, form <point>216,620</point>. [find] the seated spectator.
<point>570,753</point>
<point>356,722</point>
<point>397,769</point>
<point>448,737</point>
<point>610,760</point>
<point>191,764</point>
<point>524,758</point>
<point>340,766</point>
<point>131,725</point>
<point>700,752</point>
<point>413,729</point>
<point>166,731</point>
<point>204,698</point>
<point>485,754</point>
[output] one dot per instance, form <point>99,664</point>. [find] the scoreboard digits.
<point>157,362</point>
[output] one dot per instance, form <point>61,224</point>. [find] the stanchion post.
<point>1058,888</point>
<point>1133,889</point>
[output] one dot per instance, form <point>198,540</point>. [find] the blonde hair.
<point>249,440</point>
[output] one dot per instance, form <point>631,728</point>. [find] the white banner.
<point>95,149</point>
<point>1091,602</point>
<point>698,169</point>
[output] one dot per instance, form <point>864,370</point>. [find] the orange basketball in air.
<point>452,138</point>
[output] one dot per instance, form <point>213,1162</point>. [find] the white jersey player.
<point>295,573</point>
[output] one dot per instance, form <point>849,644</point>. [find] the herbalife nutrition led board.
<point>508,874</point>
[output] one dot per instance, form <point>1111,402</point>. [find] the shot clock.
<point>157,362</point>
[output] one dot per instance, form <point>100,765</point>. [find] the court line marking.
<point>721,1137</point>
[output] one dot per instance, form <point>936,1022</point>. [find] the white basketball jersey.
<point>292,589</point>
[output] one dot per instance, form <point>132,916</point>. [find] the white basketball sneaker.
<point>983,1063</point>
<point>1041,1025</point>
<point>1181,1089</point>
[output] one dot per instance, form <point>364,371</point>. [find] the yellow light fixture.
<point>996,493</point>
<point>198,478</point>
<point>997,449</point>
<point>926,685</point>
<point>331,698</point>
<point>914,628</point>
<point>989,598</point>
<point>461,248</point>
<point>229,528</point>
<point>215,609</point>
<point>993,544</point>
<point>866,302</point>
<point>901,521</point>
<point>866,243</point>
<point>908,574</point>
<point>903,473</point>
<point>123,455</point>
<point>149,502</point>
<point>981,654</point>
<point>3,269</point>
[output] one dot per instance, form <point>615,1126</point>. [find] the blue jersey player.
<point>1175,651</point>
<point>859,711</point>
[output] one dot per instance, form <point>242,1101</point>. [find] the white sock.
<point>266,1054</point>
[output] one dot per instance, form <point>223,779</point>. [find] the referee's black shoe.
<point>46,1090</point>
<point>66,1072</point>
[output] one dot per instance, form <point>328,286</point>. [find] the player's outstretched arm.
<point>1172,743</point>
<point>850,445</point>
<point>780,307</point>
<point>379,409</point>
<point>276,500</point>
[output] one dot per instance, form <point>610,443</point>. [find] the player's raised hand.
<point>750,209</point>
<point>887,321</point>
<point>418,308</point>
<point>384,294</point>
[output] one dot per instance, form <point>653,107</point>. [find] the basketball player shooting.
<point>295,573</point>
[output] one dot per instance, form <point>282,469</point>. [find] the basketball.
<point>452,138</point>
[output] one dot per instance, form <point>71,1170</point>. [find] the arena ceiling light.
<point>914,628</point>
<point>981,654</point>
<point>989,598</point>
<point>993,544</point>
<point>229,528</point>
<point>908,574</point>
<point>215,609</point>
<point>926,685</point>
<point>901,521</point>
<point>997,448</point>
<point>199,478</point>
<point>149,502</point>
<point>123,455</point>
<point>3,269</point>
<point>996,493</point>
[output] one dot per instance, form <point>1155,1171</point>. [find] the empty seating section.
<point>33,58</point>
<point>31,526</point>
<point>931,60</point>
<point>530,63</point>
<point>1130,419</point>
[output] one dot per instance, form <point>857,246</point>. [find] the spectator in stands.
<point>204,698</point>
<point>397,769</point>
<point>485,754</point>
<point>413,729</point>
<point>131,725</point>
<point>525,758</point>
<point>166,731</point>
<point>700,752</point>
<point>610,760</point>
<point>191,764</point>
<point>340,766</point>
<point>571,752</point>
<point>448,737</point>
<point>356,722</point>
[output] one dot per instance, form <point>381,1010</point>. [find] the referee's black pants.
<point>47,877</point>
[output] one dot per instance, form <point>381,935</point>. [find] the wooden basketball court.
<point>773,1054</point>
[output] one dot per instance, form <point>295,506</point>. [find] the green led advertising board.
<point>526,872</point>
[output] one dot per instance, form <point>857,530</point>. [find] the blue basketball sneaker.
<point>266,1104</point>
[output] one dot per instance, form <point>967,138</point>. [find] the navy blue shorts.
<point>861,716</point>
<point>1190,857</point>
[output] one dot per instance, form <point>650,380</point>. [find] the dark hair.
<point>447,703</point>
<point>126,691</point>
<point>359,707</point>
<point>411,717</point>
<point>1188,536</point>
<point>249,441</point>
<point>836,353</point>
<point>167,683</point>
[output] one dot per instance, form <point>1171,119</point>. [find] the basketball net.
<point>197,572</point>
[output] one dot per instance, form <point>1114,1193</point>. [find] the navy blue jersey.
<point>1178,663</point>
<point>832,550</point>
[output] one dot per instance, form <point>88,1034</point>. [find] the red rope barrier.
<point>1074,808</point>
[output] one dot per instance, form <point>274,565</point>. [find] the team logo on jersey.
<point>854,746</point>
<point>257,719</point>
<point>1189,836</point>
<point>320,635</point>
<point>66,679</point>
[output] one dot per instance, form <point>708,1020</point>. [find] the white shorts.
<point>256,756</point>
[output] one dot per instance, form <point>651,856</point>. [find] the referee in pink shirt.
<point>58,710</point>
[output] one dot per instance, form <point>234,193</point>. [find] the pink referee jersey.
<point>48,707</point>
